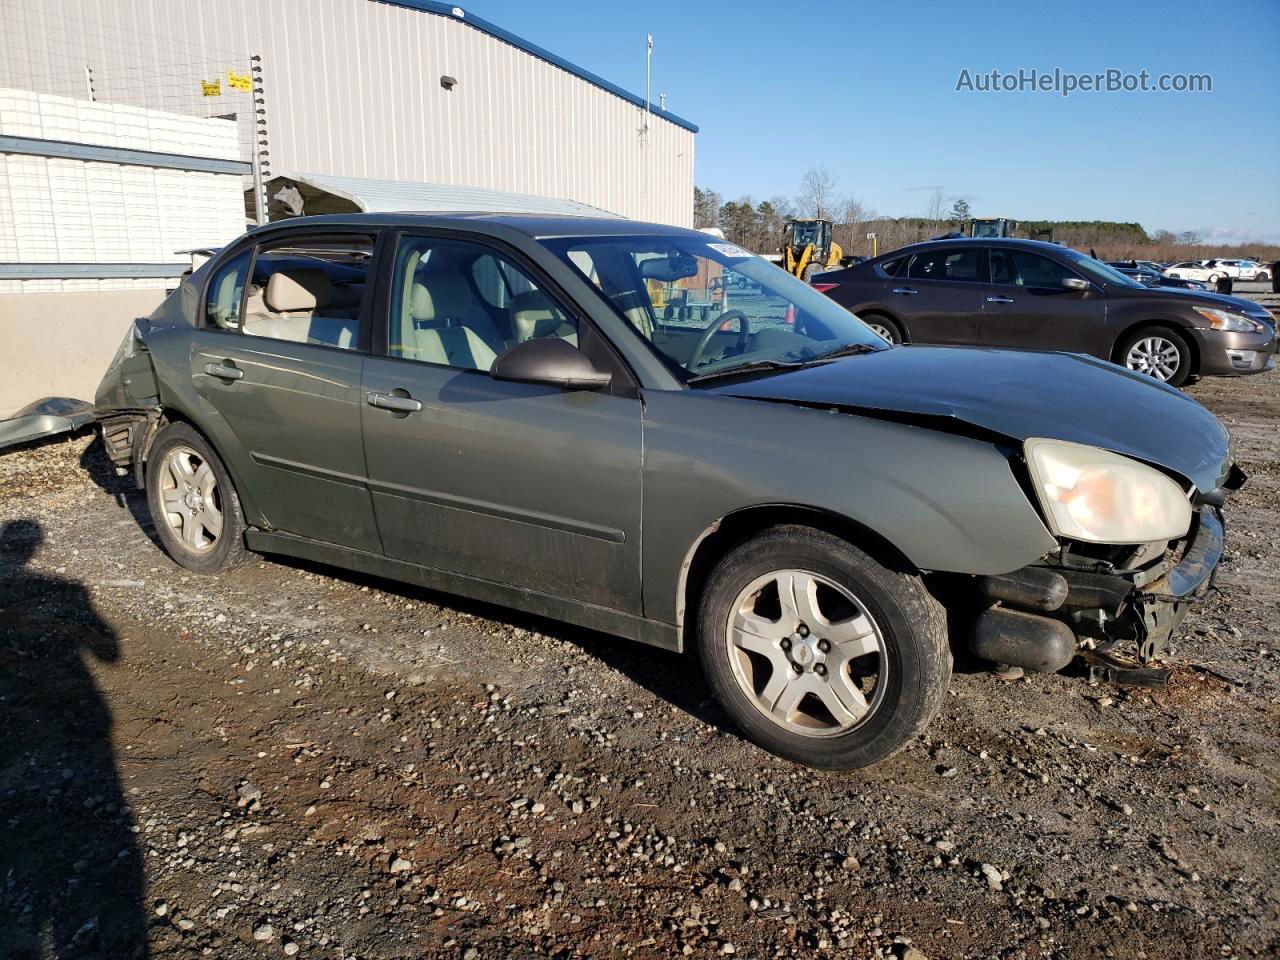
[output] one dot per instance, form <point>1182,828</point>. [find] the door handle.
<point>999,300</point>
<point>905,290</point>
<point>390,402</point>
<point>226,370</point>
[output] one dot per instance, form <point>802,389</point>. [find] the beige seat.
<point>444,325</point>
<point>534,316</point>
<point>452,346</point>
<point>297,305</point>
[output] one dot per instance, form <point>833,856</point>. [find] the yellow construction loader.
<point>991,227</point>
<point>807,247</point>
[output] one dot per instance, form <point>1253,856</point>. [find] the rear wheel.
<point>820,653</point>
<point>1158,352</point>
<point>883,327</point>
<point>193,504</point>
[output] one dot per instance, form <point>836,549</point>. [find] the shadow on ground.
<point>72,873</point>
<point>122,489</point>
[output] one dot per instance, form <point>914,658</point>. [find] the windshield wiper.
<point>848,350</point>
<point>754,367</point>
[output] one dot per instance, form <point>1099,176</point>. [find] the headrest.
<point>292,290</point>
<point>441,297</point>
<point>533,315</point>
<point>533,306</point>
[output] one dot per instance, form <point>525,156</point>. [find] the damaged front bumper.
<point>1042,616</point>
<point>1160,607</point>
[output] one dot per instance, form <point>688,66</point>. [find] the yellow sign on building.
<point>238,81</point>
<point>213,89</point>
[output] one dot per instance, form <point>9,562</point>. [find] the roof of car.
<point>984,241</point>
<point>533,224</point>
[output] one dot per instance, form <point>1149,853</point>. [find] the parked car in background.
<point>498,406</point>
<point>1152,278</point>
<point>1240,269</point>
<point>1197,270</point>
<point>1029,294</point>
<point>1253,271</point>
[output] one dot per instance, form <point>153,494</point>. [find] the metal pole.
<point>644,136</point>
<point>259,189</point>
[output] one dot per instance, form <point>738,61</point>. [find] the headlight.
<point>1091,494</point>
<point>1221,320</point>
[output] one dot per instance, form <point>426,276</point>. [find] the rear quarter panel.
<point>945,502</point>
<point>170,349</point>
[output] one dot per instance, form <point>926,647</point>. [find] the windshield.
<point>709,307</point>
<point>807,233</point>
<point>1097,270</point>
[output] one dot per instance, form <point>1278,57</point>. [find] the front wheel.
<point>1158,352</point>
<point>820,653</point>
<point>884,328</point>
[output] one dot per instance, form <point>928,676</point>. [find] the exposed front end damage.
<point>127,404</point>
<point>1117,608</point>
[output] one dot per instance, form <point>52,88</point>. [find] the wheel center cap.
<point>802,652</point>
<point>193,500</point>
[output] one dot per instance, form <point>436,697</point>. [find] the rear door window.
<point>310,289</point>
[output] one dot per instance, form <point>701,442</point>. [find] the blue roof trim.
<point>447,10</point>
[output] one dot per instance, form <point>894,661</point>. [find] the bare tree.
<point>851,223</point>
<point>706,208</point>
<point>936,207</point>
<point>818,197</point>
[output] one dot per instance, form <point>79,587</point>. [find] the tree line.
<point>758,225</point>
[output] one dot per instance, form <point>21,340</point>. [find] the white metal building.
<point>408,90</point>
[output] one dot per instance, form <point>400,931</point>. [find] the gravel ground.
<point>292,760</point>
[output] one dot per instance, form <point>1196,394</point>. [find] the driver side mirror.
<point>1075,283</point>
<point>550,361</point>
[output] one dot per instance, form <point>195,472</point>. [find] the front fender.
<point>945,502</point>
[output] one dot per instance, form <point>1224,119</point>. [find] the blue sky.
<point>868,90</point>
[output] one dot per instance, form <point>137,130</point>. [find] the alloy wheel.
<point>191,499</point>
<point>807,653</point>
<point>1154,356</point>
<point>880,330</point>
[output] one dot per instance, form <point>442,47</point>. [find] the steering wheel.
<point>743,333</point>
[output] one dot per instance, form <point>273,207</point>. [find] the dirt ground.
<point>292,760</point>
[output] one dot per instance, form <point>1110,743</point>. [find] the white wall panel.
<point>59,210</point>
<point>353,89</point>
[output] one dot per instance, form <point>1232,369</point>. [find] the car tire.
<point>815,719</point>
<point>193,502</point>
<point>884,326</point>
<point>1150,339</point>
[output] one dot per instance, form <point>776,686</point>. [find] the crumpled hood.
<point>1019,394</point>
